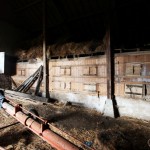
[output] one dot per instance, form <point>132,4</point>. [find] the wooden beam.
<point>110,50</point>
<point>25,96</point>
<point>111,73</point>
<point>110,66</point>
<point>45,67</point>
<point>111,59</point>
<point>39,80</point>
<point>28,6</point>
<point>25,86</point>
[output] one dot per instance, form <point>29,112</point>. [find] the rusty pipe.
<point>47,135</point>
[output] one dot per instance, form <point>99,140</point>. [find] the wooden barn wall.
<point>132,75</point>
<point>84,75</point>
<point>89,76</point>
<point>24,70</point>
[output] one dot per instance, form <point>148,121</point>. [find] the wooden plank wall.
<point>89,76</point>
<point>132,75</point>
<point>83,75</point>
<point>24,70</point>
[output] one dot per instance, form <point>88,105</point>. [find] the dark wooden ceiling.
<point>81,19</point>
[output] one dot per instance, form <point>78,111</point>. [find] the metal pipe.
<point>46,134</point>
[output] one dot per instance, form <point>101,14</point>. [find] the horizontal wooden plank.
<point>136,89</point>
<point>90,87</point>
<point>27,96</point>
<point>81,79</point>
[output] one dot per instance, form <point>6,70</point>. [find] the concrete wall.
<point>84,100</point>
<point>135,108</point>
<point>127,107</point>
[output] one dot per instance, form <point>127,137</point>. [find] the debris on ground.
<point>83,125</point>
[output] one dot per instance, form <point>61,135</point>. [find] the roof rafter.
<point>28,6</point>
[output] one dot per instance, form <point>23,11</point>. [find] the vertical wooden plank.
<point>110,67</point>
<point>110,57</point>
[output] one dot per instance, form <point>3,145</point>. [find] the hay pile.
<point>73,48</point>
<point>61,50</point>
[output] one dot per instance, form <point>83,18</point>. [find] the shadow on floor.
<point>13,137</point>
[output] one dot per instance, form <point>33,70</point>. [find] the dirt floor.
<point>90,127</point>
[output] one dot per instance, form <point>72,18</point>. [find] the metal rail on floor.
<point>41,130</point>
<point>50,125</point>
<point>9,125</point>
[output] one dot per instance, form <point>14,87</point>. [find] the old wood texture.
<point>26,96</point>
<point>110,66</point>
<point>25,86</point>
<point>39,80</point>
<point>89,75</point>
<point>45,69</point>
<point>83,75</point>
<point>130,71</point>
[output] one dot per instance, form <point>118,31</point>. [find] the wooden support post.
<point>28,6</point>
<point>110,66</point>
<point>111,61</point>
<point>45,77</point>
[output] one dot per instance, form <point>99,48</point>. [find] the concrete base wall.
<point>82,100</point>
<point>127,107</point>
<point>134,108</point>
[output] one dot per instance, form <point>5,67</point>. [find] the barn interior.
<point>74,74</point>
